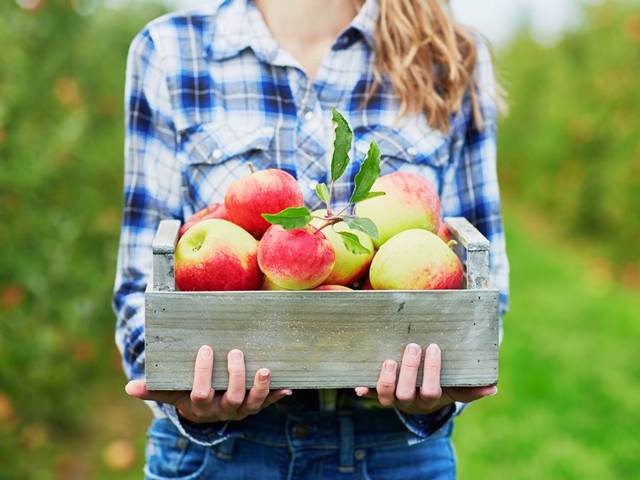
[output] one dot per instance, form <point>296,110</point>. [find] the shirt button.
<point>359,454</point>
<point>217,154</point>
<point>301,430</point>
<point>412,151</point>
<point>308,116</point>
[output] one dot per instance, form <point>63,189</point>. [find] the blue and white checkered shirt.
<point>210,90</point>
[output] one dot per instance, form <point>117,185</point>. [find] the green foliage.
<point>571,144</point>
<point>352,243</point>
<point>364,225</point>
<point>341,145</point>
<point>61,143</point>
<point>367,175</point>
<point>290,218</point>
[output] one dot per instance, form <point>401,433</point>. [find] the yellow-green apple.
<point>217,255</point>
<point>264,191</point>
<point>415,260</point>
<point>333,288</point>
<point>269,285</point>
<point>410,201</point>
<point>215,210</point>
<point>298,259</point>
<point>349,266</point>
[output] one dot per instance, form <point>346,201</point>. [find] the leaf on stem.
<point>290,218</point>
<point>364,225</point>
<point>367,175</point>
<point>352,243</point>
<point>341,145</point>
<point>323,193</point>
<point>374,195</point>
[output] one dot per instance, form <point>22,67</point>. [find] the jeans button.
<point>301,430</point>
<point>359,454</point>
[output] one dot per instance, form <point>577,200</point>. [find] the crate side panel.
<point>320,339</point>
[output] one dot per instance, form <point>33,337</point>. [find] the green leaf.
<point>323,193</point>
<point>364,225</point>
<point>341,145</point>
<point>352,243</point>
<point>367,175</point>
<point>290,218</point>
<point>375,194</point>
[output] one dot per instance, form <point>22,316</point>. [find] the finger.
<point>430,391</point>
<point>275,396</point>
<point>470,394</point>
<point>138,389</point>
<point>258,393</point>
<point>386,385</point>
<point>234,396</point>
<point>201,392</point>
<point>362,391</point>
<point>406,389</point>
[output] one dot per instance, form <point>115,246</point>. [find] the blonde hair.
<point>429,59</point>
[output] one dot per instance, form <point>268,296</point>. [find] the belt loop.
<point>345,423</point>
<point>225,449</point>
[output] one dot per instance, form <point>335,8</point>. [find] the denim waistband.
<point>280,426</point>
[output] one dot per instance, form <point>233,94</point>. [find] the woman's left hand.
<point>400,390</point>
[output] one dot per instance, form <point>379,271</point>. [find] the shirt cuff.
<point>205,434</point>
<point>426,425</point>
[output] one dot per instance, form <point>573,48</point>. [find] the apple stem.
<point>329,222</point>
<point>251,167</point>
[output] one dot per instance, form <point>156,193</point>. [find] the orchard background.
<point>570,173</point>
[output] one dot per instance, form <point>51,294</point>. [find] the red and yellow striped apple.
<point>410,201</point>
<point>415,260</point>
<point>349,266</point>
<point>215,210</point>
<point>298,259</point>
<point>264,191</point>
<point>333,288</point>
<point>217,255</point>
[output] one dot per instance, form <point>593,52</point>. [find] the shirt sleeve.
<point>152,192</point>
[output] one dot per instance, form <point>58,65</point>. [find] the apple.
<point>264,191</point>
<point>415,260</point>
<point>298,259</point>
<point>410,201</point>
<point>217,255</point>
<point>215,210</point>
<point>444,233</point>
<point>333,288</point>
<point>269,285</point>
<point>349,266</point>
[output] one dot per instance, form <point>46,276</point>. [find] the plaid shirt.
<point>210,90</point>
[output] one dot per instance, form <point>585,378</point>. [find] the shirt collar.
<point>239,25</point>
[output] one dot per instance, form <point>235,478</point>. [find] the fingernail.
<point>127,388</point>
<point>413,349</point>
<point>360,391</point>
<point>288,393</point>
<point>433,350</point>
<point>206,352</point>
<point>390,366</point>
<point>263,373</point>
<point>495,392</point>
<point>235,355</point>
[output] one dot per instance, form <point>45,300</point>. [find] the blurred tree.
<point>571,145</point>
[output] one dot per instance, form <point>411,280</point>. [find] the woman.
<point>242,81</point>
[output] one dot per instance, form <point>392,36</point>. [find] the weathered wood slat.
<point>473,250</point>
<point>320,339</point>
<point>163,246</point>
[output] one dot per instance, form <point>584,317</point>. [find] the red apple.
<point>217,255</point>
<point>264,191</point>
<point>215,210</point>
<point>444,233</point>
<point>333,288</point>
<point>295,259</point>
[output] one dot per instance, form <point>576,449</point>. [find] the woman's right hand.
<point>202,404</point>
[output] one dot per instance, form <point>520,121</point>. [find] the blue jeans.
<point>307,445</point>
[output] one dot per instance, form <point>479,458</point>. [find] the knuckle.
<point>234,399</point>
<point>200,396</point>
<point>406,396</point>
<point>385,386</point>
<point>385,401</point>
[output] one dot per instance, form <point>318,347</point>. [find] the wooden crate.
<point>321,339</point>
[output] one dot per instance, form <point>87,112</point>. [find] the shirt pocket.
<point>410,148</point>
<point>217,154</point>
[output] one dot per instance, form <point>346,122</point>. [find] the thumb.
<point>138,389</point>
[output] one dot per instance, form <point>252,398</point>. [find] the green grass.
<point>569,373</point>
